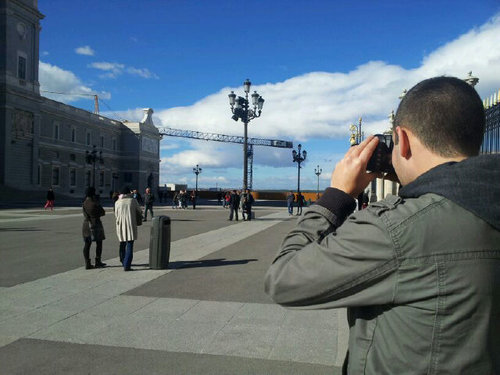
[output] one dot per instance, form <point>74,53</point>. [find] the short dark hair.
<point>125,190</point>
<point>90,192</point>
<point>446,114</point>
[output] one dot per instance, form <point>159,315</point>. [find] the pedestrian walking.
<point>183,199</point>
<point>128,216</point>
<point>149,199</point>
<point>175,200</point>
<point>300,203</point>
<point>92,229</point>
<point>193,199</point>
<point>51,198</point>
<point>290,198</point>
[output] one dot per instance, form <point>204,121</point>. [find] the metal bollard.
<point>159,243</point>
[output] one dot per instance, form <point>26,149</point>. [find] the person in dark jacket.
<point>300,203</point>
<point>234,205</point>
<point>149,199</point>
<point>193,198</point>
<point>418,272</point>
<point>92,229</point>
<point>247,205</point>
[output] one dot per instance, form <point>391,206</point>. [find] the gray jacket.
<point>419,272</point>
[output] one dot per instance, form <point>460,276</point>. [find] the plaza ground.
<point>206,314</point>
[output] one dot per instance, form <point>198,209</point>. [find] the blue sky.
<point>320,65</point>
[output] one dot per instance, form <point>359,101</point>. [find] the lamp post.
<point>317,172</point>
<point>93,157</point>
<point>240,107</point>
<point>356,134</point>
<point>197,171</point>
<point>356,138</point>
<point>299,157</point>
<point>471,80</point>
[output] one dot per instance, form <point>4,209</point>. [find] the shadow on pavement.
<point>21,230</point>
<point>208,263</point>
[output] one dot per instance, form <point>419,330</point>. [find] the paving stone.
<point>211,312</point>
<point>245,340</point>
<point>170,308</point>
<point>119,306</point>
<point>305,344</point>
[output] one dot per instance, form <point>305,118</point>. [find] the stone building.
<point>46,143</point>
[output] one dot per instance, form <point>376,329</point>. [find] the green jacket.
<point>419,272</point>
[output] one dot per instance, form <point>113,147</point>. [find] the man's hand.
<point>350,174</point>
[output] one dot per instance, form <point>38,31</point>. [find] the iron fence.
<point>491,140</point>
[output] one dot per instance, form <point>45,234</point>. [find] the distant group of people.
<point>236,200</point>
<point>180,199</point>
<point>296,200</point>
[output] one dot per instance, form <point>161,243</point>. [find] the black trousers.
<point>86,248</point>
<point>148,207</point>
<point>233,210</point>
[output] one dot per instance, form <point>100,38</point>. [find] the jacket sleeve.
<point>329,261</point>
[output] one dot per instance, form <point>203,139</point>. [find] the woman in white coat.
<point>128,215</point>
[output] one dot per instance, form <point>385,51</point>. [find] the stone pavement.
<point>206,314</point>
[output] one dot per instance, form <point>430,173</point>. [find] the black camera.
<point>381,160</point>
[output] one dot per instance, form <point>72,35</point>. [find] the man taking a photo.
<point>419,272</point>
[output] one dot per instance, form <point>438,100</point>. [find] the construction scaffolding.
<point>193,134</point>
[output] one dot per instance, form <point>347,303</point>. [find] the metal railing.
<point>491,139</point>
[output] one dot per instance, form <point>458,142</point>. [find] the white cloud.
<point>113,70</point>
<point>144,73</point>
<point>64,86</point>
<point>170,146</point>
<point>85,50</point>
<point>323,104</point>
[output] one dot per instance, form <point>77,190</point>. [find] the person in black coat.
<point>234,204</point>
<point>247,206</point>
<point>92,229</point>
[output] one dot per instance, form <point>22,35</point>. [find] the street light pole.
<point>299,157</point>
<point>197,170</point>
<point>317,172</point>
<point>92,158</point>
<point>240,107</point>
<point>356,134</point>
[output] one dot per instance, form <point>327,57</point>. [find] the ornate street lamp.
<point>471,80</point>
<point>317,172</point>
<point>240,107</point>
<point>93,157</point>
<point>299,157</point>
<point>356,134</point>
<point>197,171</point>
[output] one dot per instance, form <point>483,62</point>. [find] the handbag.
<point>138,218</point>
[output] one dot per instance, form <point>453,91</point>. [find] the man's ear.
<point>403,142</point>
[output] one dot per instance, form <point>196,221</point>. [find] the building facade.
<point>46,143</point>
